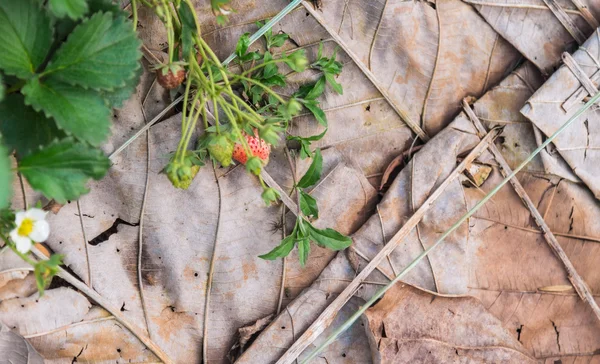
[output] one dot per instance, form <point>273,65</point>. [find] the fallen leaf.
<point>16,350</point>
<point>411,325</point>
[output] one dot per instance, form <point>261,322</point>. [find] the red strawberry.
<point>258,147</point>
<point>170,77</point>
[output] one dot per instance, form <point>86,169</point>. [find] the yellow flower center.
<point>26,227</point>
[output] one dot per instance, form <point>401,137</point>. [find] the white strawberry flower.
<point>32,227</point>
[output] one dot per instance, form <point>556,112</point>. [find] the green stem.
<point>191,127</point>
<point>135,14</point>
<point>470,213</point>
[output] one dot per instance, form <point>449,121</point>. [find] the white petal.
<point>36,214</point>
<point>40,232</point>
<point>14,234</point>
<point>23,244</point>
<point>19,217</point>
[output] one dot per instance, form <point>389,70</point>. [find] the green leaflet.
<point>329,238</point>
<point>1,88</point>
<point>25,37</point>
<point>61,169</point>
<point>282,250</point>
<point>5,177</point>
<point>303,250</point>
<point>24,129</point>
<point>308,205</point>
<point>79,112</point>
<point>102,53</point>
<point>73,9</point>
<point>313,174</point>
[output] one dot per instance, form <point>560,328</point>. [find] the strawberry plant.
<point>243,112</point>
<point>64,64</point>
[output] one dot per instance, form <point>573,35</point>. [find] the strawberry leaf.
<point>25,37</point>
<point>74,9</point>
<point>81,113</point>
<point>313,174</point>
<point>308,205</point>
<point>24,129</point>
<point>280,251</point>
<point>61,169</point>
<point>117,98</point>
<point>102,53</point>
<point>5,177</point>
<point>329,238</point>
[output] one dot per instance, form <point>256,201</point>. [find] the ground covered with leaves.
<point>432,105</point>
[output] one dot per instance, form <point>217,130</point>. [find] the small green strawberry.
<point>220,148</point>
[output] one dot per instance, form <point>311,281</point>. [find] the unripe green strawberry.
<point>220,148</point>
<point>258,147</point>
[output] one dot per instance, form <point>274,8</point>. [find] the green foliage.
<point>273,41</point>
<point>308,205</point>
<point>79,112</point>
<point>305,143</point>
<point>61,169</point>
<point>73,9</point>
<point>304,232</point>
<point>24,129</point>
<point>329,238</point>
<point>25,37</point>
<point>63,87</point>
<point>6,177</point>
<point>102,53</point>
<point>313,174</point>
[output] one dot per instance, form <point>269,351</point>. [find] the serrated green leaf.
<point>101,53</point>
<point>308,205</point>
<point>303,250</point>
<point>318,113</point>
<point>73,9</point>
<point>329,238</point>
<point>280,251</point>
<point>61,169</point>
<point>313,174</point>
<point>25,36</point>
<point>5,177</point>
<point>117,97</point>
<point>81,113</point>
<point>24,129</point>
